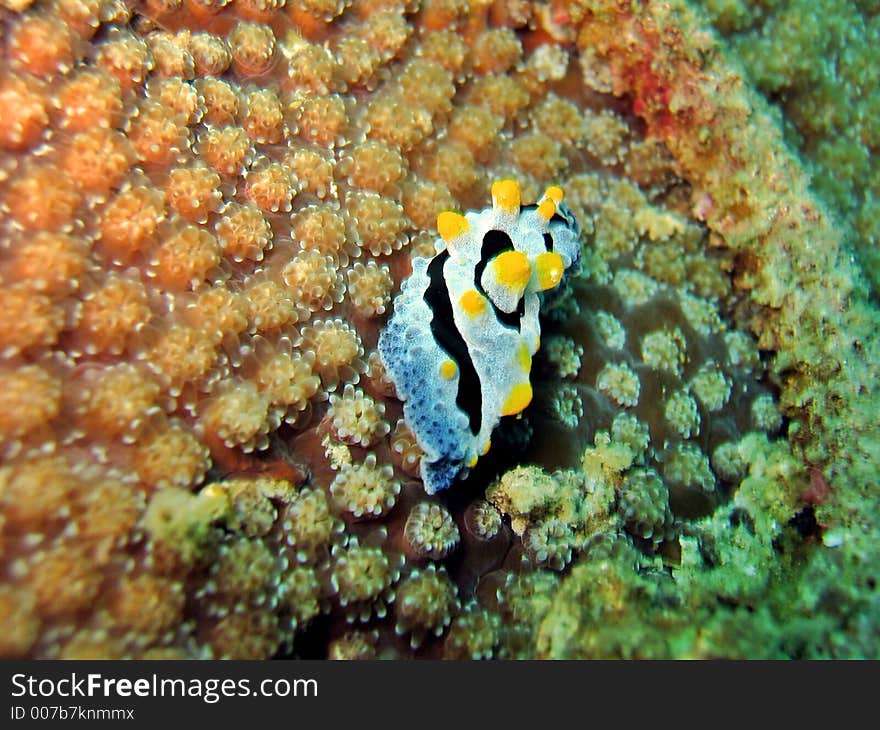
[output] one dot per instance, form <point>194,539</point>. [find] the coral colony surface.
<point>207,208</point>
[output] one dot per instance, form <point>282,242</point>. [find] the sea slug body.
<point>459,345</point>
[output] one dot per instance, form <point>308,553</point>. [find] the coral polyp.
<point>433,329</point>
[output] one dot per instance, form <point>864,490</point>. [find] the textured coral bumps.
<point>222,200</point>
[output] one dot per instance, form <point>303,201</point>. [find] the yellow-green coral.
<point>690,203</point>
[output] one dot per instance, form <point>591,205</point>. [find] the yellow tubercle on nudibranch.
<point>451,225</point>
<point>506,278</point>
<point>549,270</point>
<point>524,357</point>
<point>512,270</point>
<point>472,303</point>
<point>506,196</point>
<point>518,399</point>
<point>470,313</point>
<point>555,193</point>
<point>546,209</point>
<point>550,202</point>
<point>448,369</point>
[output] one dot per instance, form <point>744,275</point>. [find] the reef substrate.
<point>206,210</point>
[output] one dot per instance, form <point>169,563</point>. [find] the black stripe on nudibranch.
<point>548,241</point>
<point>494,243</point>
<point>469,398</point>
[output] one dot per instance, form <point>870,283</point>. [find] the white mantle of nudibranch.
<point>459,346</point>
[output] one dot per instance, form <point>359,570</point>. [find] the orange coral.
<point>259,9</point>
<point>18,614</point>
<point>322,120</point>
<point>386,31</point>
<point>310,67</point>
<point>560,119</point>
<point>337,350</point>
<point>321,228</point>
<point>251,635</point>
<point>405,448</point>
<point>495,51</point>
<point>270,306</point>
<point>194,191</point>
<point>26,116</point>
<point>236,414</point>
<point>392,119</point>
<point>263,119</point>
<point>219,313</point>
<point>52,477</point>
<point>365,490</point>
<point>112,314</point>
<point>285,377</point>
<point>361,575</point>
<point>451,164</point>
<point>538,155</point>
<point>185,258</point>
<point>40,44</point>
<point>357,60</point>
<point>357,419</point>
<point>170,54</point>
<point>179,95</point>
<point>427,85</point>
<point>148,606</point>
<point>373,166</point>
<point>477,128</point>
<point>423,201</point>
<point>64,581</point>
<point>380,222</point>
<point>105,514</point>
<point>211,54</point>
<point>227,149</point>
<point>179,354</point>
<point>243,232</point>
<point>170,456</point>
<point>130,221</point>
<point>158,133</point>
<point>114,401</point>
<point>314,280</point>
<point>30,320</point>
<point>127,57</point>
<point>271,186</point>
<point>308,526</point>
<point>42,197</point>
<point>96,160</point>
<point>445,47</point>
<point>221,100</point>
<point>253,47</point>
<point>51,263</point>
<point>89,98</point>
<point>29,400</point>
<point>501,95</point>
<point>314,169</point>
<point>369,287</point>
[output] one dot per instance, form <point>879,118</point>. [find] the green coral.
<point>819,61</point>
<point>785,563</point>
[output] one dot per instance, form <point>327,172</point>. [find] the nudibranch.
<point>459,345</point>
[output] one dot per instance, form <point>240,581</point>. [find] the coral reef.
<point>827,91</point>
<point>205,213</point>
